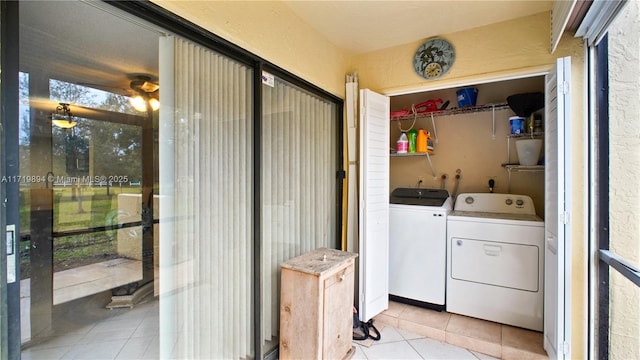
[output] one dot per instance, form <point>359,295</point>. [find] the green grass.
<point>73,251</point>
<point>78,250</point>
<point>71,214</point>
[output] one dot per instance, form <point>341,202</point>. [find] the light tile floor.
<point>89,331</point>
<point>72,284</point>
<point>481,336</point>
<point>108,334</point>
<point>134,334</point>
<point>401,344</point>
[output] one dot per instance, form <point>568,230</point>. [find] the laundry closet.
<point>503,256</point>
<point>473,142</point>
<point>476,141</point>
<point>486,260</point>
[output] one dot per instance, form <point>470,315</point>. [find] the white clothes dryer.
<point>495,259</point>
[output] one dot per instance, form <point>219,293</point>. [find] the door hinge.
<point>565,87</point>
<point>565,347</point>
<point>565,217</point>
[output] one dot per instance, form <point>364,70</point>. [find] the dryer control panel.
<point>495,203</point>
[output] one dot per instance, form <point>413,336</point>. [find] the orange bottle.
<point>421,144</point>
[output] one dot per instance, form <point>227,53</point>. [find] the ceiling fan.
<point>143,83</point>
<point>147,92</point>
<point>142,88</point>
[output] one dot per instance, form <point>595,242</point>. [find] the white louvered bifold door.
<point>374,204</point>
<point>206,179</point>
<point>557,282</point>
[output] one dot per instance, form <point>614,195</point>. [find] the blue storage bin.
<point>467,96</point>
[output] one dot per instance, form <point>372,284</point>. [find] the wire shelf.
<point>395,154</point>
<point>454,111</point>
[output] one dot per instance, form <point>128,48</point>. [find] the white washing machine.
<point>495,259</point>
<point>417,246</point>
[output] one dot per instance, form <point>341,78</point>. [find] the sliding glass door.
<point>84,164</point>
<point>207,198</point>
<point>206,204</point>
<point>188,208</point>
<point>298,186</point>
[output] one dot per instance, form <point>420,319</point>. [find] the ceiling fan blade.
<point>43,104</point>
<point>110,89</point>
<point>49,106</point>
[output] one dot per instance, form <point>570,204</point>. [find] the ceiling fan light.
<point>64,123</point>
<point>138,103</point>
<point>62,117</point>
<point>149,87</point>
<point>155,104</point>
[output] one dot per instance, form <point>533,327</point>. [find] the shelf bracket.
<point>493,122</point>
<point>433,172</point>
<point>435,132</point>
<point>519,168</point>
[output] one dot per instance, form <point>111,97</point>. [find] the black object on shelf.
<point>525,104</point>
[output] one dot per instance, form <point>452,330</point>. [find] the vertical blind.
<point>206,281</point>
<point>298,186</point>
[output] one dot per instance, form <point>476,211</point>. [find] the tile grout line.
<point>130,337</point>
<point>414,349</point>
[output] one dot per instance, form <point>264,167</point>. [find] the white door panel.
<point>374,204</point>
<point>557,296</point>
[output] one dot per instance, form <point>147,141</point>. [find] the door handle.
<point>492,250</point>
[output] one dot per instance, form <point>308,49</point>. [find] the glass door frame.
<point>9,21</point>
<point>10,301</point>
<point>606,259</point>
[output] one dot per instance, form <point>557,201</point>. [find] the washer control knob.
<point>519,202</point>
<point>468,200</point>
<point>508,201</point>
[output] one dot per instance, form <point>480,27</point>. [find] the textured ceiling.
<point>83,43</point>
<point>363,26</point>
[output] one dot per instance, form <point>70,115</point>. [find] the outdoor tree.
<point>99,148</point>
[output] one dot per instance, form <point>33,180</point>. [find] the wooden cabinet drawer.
<point>340,275</point>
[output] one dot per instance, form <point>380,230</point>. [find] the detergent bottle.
<point>430,139</point>
<point>413,138</point>
<point>421,145</point>
<point>403,144</point>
